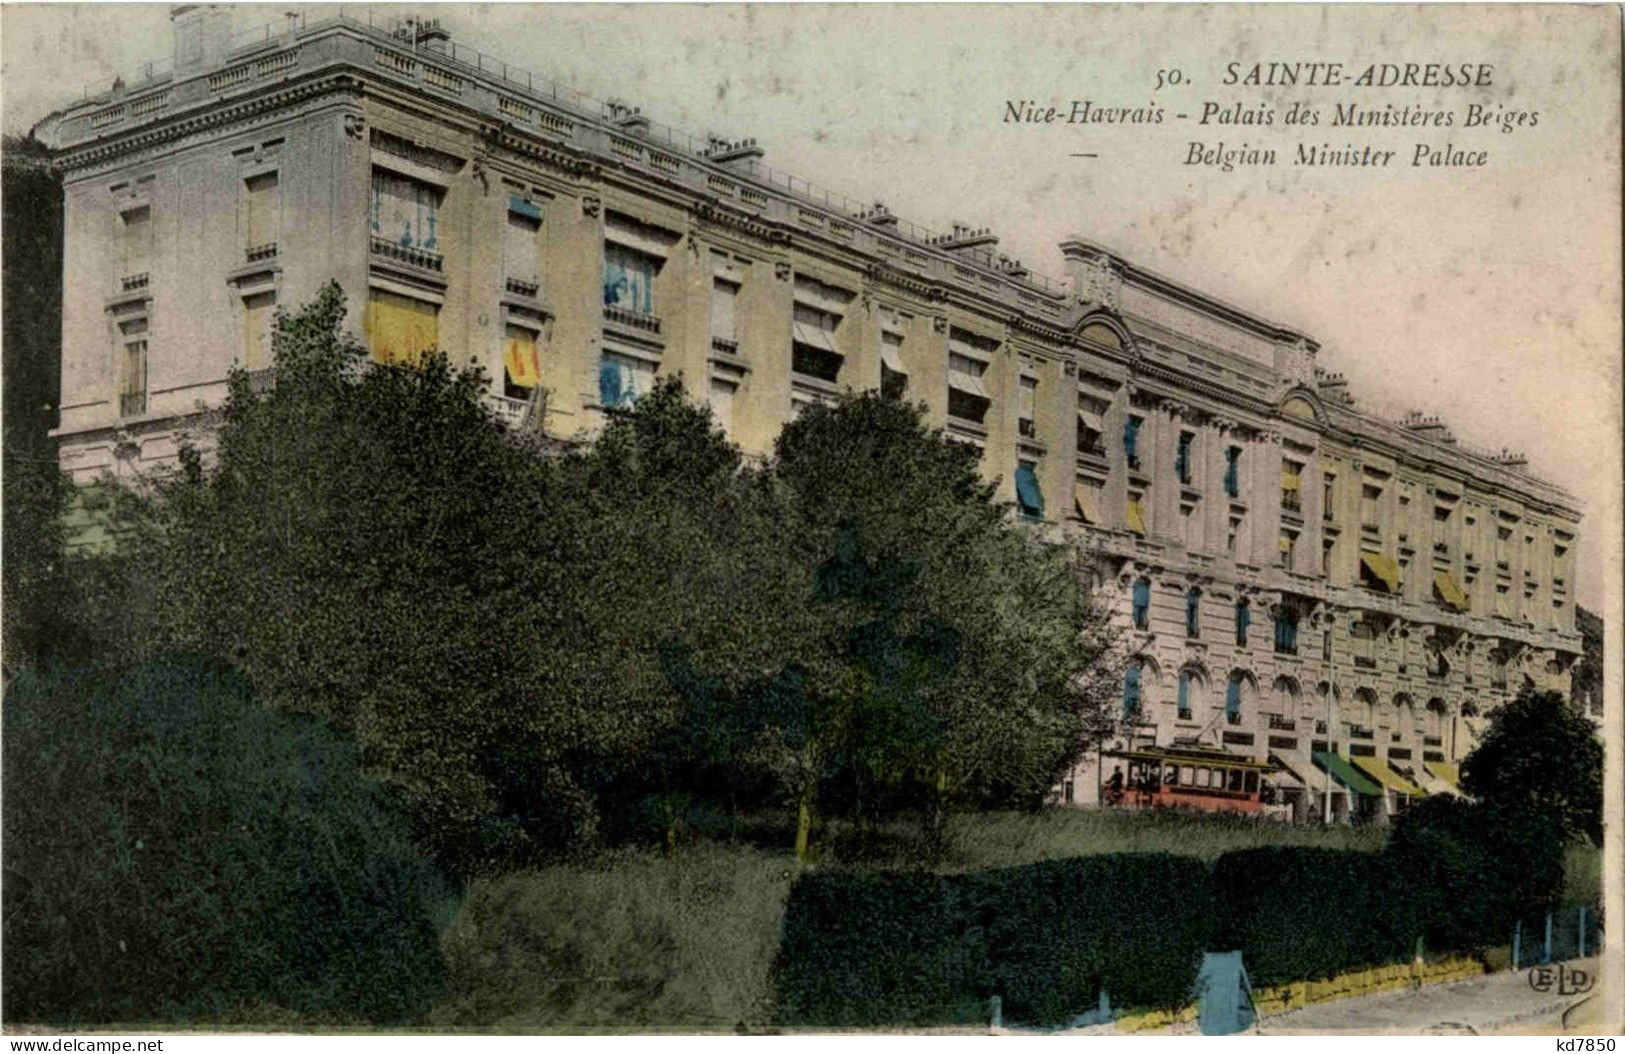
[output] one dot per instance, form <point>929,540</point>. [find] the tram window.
<point>1204,777</point>
<point>1252,782</point>
<point>1187,775</point>
<point>1170,775</point>
<point>1235,779</point>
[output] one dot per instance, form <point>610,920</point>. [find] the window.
<point>1086,499</point>
<point>1134,513</point>
<point>135,244</point>
<point>261,216</point>
<point>406,215</point>
<point>1131,440</point>
<point>1142,603</point>
<point>629,278</point>
<point>1193,614</point>
<point>1364,645</point>
<point>1292,486</point>
<point>1182,456</point>
<point>1131,690</point>
<point>1328,496</point>
<point>1289,549</point>
<point>1232,471</point>
<point>622,379</point>
<point>1027,422</point>
<point>1232,534</point>
<point>1370,495</point>
<point>893,374</point>
<point>257,319</point>
<point>1286,633</point>
<point>816,317</point>
<point>400,329</point>
<point>521,362</point>
<point>1244,619</point>
<point>522,247</point>
<point>724,316</point>
<point>720,397</point>
<point>133,368</point>
<point>967,396</point>
<point>1091,425</point>
<point>1328,556</point>
<point>1028,494</point>
<point>1190,525</point>
<point>1184,711</point>
<point>1232,702</point>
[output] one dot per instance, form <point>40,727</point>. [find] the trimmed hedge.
<point>1303,913</point>
<point>922,949</point>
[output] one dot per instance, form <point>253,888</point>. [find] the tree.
<point>1540,758</point>
<point>177,852</point>
<point>1588,671</point>
<point>960,654</point>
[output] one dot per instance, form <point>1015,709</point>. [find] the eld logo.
<point>1565,980</point>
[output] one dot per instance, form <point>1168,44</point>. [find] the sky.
<point>1488,294</point>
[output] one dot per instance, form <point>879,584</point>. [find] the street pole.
<point>1331,686</point>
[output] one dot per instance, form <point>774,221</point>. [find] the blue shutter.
<point>610,392</point>
<point>1244,619</point>
<point>1028,494</point>
<point>1142,602</point>
<point>1232,698</point>
<point>1131,437</point>
<point>523,207</point>
<point>1182,458</point>
<point>1232,485</point>
<point>1131,689</point>
<point>1184,693</point>
<point>1193,601</point>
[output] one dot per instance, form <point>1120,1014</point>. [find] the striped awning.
<point>1346,774</point>
<point>1384,774</point>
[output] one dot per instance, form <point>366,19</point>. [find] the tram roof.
<point>1209,756</point>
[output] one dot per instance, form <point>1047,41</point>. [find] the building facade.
<point>1293,575</point>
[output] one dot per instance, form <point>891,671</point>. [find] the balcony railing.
<point>407,254</point>
<point>1091,447</point>
<point>1441,548</point>
<point>725,345</point>
<point>1232,718</point>
<point>132,403</point>
<point>635,319</point>
<point>1371,530</point>
<point>1320,728</point>
<point>1282,724</point>
<point>256,253</point>
<point>131,282</point>
<point>520,287</point>
<point>1432,741</point>
<point>1183,715</point>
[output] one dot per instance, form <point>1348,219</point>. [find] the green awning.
<point>1346,774</point>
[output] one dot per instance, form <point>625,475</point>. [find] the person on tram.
<point>1114,786</point>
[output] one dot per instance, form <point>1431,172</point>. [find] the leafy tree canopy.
<point>1541,758</point>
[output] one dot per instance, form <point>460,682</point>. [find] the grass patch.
<point>1006,839</point>
<point>633,941</point>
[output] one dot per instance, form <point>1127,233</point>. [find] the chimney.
<point>1428,426</point>
<point>202,36</point>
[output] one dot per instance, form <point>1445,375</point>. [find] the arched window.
<point>1142,603</point>
<point>1131,689</point>
<point>1192,682</point>
<point>1438,716</point>
<point>1232,700</point>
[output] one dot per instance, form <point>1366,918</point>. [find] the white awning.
<point>966,378</point>
<point>889,356</point>
<point>813,336</point>
<point>651,241</point>
<point>960,344</point>
<point>1092,421</point>
<point>816,294</point>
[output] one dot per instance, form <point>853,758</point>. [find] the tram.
<point>1185,777</point>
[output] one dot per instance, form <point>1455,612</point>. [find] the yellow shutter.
<point>1083,499</point>
<point>1136,518</point>
<point>400,329</point>
<point>1445,583</point>
<point>1384,568</point>
<point>257,330</point>
<point>521,358</point>
<point>1286,544</point>
<point>1289,479</point>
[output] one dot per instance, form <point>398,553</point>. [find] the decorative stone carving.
<point>591,205</point>
<point>355,126</point>
<point>939,324</point>
<point>781,270</point>
<point>1099,281</point>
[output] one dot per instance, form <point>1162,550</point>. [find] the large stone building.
<point>1293,574</point>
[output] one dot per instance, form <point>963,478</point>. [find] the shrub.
<point>176,852</point>
<point>1302,913</point>
<point>920,949</point>
<point>631,941</point>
